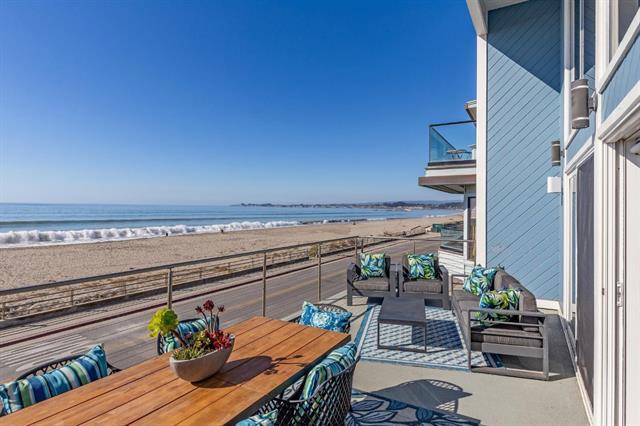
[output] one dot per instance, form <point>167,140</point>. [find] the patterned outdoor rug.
<point>370,409</point>
<point>445,345</point>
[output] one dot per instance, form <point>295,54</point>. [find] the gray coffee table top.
<point>396,310</point>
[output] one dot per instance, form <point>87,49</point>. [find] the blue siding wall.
<point>524,115</point>
<point>627,75</point>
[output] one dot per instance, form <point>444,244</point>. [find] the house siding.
<point>524,73</point>
<point>626,76</point>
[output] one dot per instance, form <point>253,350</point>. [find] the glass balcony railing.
<point>452,232</point>
<point>452,141</point>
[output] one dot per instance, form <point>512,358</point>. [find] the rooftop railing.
<point>454,141</point>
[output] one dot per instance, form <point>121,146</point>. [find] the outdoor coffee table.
<point>409,312</point>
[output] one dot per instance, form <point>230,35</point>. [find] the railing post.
<point>264,284</point>
<point>355,250</point>
<point>170,288</point>
<point>71,298</point>
<point>414,247</point>
<point>319,272</point>
<point>3,310</point>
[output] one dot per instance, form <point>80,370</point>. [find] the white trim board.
<point>624,120</point>
<point>481,150</point>
<point>620,53</point>
<point>583,154</point>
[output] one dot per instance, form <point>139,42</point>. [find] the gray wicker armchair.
<point>328,406</point>
<point>434,289</point>
<point>385,286</point>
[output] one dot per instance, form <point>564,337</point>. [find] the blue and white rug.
<point>445,345</point>
<point>371,409</point>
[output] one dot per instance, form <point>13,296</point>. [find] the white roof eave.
<point>478,10</point>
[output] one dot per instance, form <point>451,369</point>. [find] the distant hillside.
<point>383,205</point>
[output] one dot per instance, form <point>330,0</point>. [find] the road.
<point>126,338</point>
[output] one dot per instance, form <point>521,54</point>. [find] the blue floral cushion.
<point>372,265</point>
<point>506,299</point>
<point>170,343</point>
<point>421,266</point>
<point>317,317</point>
<point>22,393</point>
<point>268,419</point>
<point>480,280</point>
<point>335,363</point>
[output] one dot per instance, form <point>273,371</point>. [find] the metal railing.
<point>57,297</point>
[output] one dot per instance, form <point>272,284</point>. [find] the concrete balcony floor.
<point>491,399</point>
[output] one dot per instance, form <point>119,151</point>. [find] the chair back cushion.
<point>84,369</point>
<point>372,265</point>
<point>335,363</point>
<point>422,266</point>
<point>170,343</point>
<point>480,280</point>
<point>267,419</point>
<point>314,316</point>
<point>507,299</point>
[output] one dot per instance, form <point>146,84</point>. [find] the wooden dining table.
<point>268,356</point>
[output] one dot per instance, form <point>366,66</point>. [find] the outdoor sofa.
<point>434,289</point>
<point>385,286</point>
<point>524,335</point>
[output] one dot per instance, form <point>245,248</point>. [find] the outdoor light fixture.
<point>581,104</point>
<point>556,153</point>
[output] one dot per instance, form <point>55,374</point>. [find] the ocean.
<point>43,224</point>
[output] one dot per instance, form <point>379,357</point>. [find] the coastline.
<point>27,265</point>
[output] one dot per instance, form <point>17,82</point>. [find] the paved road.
<point>126,338</point>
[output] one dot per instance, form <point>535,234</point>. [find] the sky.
<point>214,102</point>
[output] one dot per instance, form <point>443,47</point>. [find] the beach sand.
<point>22,266</point>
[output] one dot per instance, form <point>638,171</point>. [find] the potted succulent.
<point>201,354</point>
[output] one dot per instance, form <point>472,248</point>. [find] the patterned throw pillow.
<point>372,265</point>
<point>506,299</point>
<point>480,280</point>
<point>170,343</point>
<point>317,317</point>
<point>268,419</point>
<point>421,266</point>
<point>335,363</point>
<point>84,369</point>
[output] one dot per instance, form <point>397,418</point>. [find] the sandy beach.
<point>22,266</point>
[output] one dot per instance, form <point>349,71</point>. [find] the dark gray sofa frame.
<point>441,284</point>
<point>360,287</point>
<point>524,325</point>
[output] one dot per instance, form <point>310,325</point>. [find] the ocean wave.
<point>37,237</point>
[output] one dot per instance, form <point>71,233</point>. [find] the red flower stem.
<point>177,336</point>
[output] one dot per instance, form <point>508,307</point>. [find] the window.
<point>622,13</point>
<point>584,21</point>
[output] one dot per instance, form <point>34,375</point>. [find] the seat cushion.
<point>506,335</point>
<point>421,266</point>
<point>170,343</point>
<point>423,286</point>
<point>372,265</point>
<point>335,363</point>
<point>84,369</point>
<point>372,284</point>
<point>314,316</point>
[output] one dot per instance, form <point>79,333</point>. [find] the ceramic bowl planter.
<point>194,370</point>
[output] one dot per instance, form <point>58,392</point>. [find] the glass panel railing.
<point>452,141</point>
<point>452,232</point>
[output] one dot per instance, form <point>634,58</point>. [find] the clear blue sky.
<point>219,102</point>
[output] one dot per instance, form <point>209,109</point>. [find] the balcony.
<point>452,163</point>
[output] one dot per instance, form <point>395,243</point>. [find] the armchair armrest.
<point>452,276</point>
<point>353,273</point>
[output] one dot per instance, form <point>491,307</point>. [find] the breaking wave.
<point>16,238</point>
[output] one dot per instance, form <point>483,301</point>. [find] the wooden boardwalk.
<point>126,338</point>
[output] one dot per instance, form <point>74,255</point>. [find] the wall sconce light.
<point>556,153</point>
<point>581,104</point>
